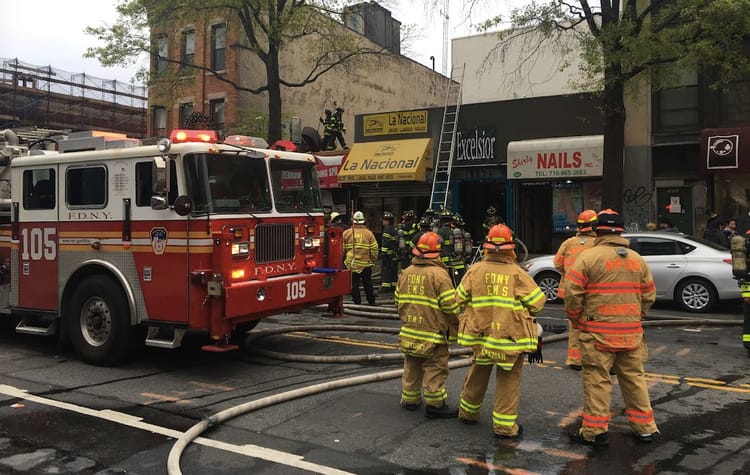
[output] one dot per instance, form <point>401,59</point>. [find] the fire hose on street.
<point>173,461</point>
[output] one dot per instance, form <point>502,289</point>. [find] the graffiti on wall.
<point>636,208</point>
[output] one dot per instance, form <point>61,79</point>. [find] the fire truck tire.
<point>98,322</point>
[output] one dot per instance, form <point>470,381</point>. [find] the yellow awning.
<point>392,160</point>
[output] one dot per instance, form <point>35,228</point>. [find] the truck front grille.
<point>274,243</point>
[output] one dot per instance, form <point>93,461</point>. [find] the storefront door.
<point>676,205</point>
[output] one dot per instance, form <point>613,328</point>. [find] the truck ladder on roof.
<point>441,179</point>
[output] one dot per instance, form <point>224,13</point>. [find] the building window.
<point>678,104</point>
<point>218,47</point>
<point>186,108</point>
<point>159,121</point>
<point>188,48</point>
<point>735,103</point>
<point>86,187</point>
<point>217,113</point>
<point>162,55</point>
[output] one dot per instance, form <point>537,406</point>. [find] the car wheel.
<point>696,295</point>
<point>549,282</point>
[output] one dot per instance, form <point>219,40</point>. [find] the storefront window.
<point>569,199</point>
<point>732,196</point>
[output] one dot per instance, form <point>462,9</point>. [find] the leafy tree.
<point>621,42</point>
<point>268,28</point>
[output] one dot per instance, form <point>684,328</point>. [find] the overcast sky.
<point>50,32</point>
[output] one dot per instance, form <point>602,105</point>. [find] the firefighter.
<point>328,130</point>
<point>424,225</point>
<point>607,291</point>
<point>338,129</point>
<point>740,248</point>
<point>426,302</point>
<point>448,255</point>
<point>564,259</point>
<point>389,255</point>
<point>407,229</point>
<point>361,255</point>
<point>491,218</point>
<point>500,302</point>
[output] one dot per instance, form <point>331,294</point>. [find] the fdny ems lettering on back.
<point>497,284</point>
<point>416,284</point>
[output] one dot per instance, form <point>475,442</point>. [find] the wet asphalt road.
<point>91,420</point>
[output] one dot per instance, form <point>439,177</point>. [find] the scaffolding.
<point>51,98</point>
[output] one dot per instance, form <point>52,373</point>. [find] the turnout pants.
<point>425,376</point>
<point>366,278</point>
<point>388,274</point>
<point>597,388</point>
<point>746,326</point>
<point>507,395</point>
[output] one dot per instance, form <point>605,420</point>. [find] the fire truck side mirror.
<point>158,202</point>
<point>183,205</point>
<point>160,176</point>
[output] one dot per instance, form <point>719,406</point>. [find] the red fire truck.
<point>105,240</point>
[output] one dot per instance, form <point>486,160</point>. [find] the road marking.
<point>164,398</point>
<point>216,387</point>
<point>248,450</point>
<point>493,466</point>
<point>346,341</point>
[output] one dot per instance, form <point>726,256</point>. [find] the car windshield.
<point>227,183</point>
<point>295,186</point>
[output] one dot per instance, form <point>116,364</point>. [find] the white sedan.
<point>692,272</point>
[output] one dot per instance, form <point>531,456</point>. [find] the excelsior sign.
<point>562,157</point>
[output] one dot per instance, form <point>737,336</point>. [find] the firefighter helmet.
<point>446,215</point>
<point>609,221</point>
<point>334,215</point>
<point>425,223</point>
<point>491,210</point>
<point>407,215</point>
<point>586,220</point>
<point>499,238</point>
<point>359,217</point>
<point>388,215</point>
<point>428,246</point>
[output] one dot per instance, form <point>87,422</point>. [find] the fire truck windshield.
<point>227,184</point>
<point>295,186</point>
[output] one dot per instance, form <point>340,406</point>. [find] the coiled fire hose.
<point>173,461</point>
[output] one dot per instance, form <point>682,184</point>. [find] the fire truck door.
<point>36,266</point>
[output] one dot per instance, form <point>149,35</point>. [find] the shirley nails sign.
<point>556,158</point>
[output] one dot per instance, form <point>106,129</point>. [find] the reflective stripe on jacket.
<point>361,248</point>
<point>389,242</point>
<point>500,303</point>
<point>608,291</point>
<point>568,252</point>
<point>426,303</point>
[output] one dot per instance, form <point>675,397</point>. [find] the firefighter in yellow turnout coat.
<point>607,292</point>
<point>427,307</point>
<point>564,259</point>
<point>361,249</point>
<point>500,303</point>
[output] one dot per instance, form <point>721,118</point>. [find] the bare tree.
<point>268,28</point>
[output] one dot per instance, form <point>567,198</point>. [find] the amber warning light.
<point>180,136</point>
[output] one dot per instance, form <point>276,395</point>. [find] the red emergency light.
<point>185,135</point>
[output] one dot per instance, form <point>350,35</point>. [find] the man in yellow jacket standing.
<point>566,256</point>
<point>607,292</point>
<point>501,301</point>
<point>361,249</point>
<point>427,307</point>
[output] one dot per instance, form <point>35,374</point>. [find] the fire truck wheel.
<point>239,334</point>
<point>99,321</point>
